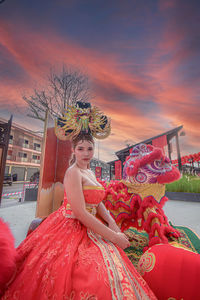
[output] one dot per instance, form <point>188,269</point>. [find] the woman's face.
<point>84,152</point>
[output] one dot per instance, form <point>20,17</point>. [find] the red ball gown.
<point>62,259</point>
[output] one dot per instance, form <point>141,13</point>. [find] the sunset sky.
<point>142,58</point>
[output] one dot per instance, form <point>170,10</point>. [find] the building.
<point>164,141</point>
<point>24,152</point>
<point>105,168</point>
<point>112,166</point>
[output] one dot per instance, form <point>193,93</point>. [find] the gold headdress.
<point>81,117</point>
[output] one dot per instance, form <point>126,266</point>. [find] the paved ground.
<point>15,187</point>
<point>184,213</point>
<point>20,216</point>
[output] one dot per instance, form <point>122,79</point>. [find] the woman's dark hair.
<point>81,137</point>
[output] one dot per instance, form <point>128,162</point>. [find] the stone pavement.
<point>184,214</point>
<point>10,201</point>
<point>19,218</point>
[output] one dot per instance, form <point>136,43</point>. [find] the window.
<point>36,146</point>
<point>11,139</point>
<point>9,154</point>
<point>35,158</point>
<point>26,144</point>
<point>21,154</point>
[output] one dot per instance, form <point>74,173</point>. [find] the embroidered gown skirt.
<point>62,259</point>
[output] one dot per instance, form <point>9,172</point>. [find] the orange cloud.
<point>35,53</point>
<point>174,91</point>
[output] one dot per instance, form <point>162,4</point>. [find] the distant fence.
<point>11,194</point>
<point>29,192</point>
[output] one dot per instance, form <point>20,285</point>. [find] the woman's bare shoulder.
<point>72,171</point>
<point>72,177</point>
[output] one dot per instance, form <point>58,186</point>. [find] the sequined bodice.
<point>93,196</point>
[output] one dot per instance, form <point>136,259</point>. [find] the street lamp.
<point>98,149</point>
<point>182,133</point>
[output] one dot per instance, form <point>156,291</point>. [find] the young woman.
<point>78,178</point>
<point>72,254</point>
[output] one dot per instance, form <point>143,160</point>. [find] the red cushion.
<point>171,272</point>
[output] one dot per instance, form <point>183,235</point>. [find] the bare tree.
<point>62,89</point>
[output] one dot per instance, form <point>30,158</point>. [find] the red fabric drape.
<point>118,169</point>
<point>160,142</point>
<point>98,172</point>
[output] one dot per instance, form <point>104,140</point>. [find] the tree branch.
<point>62,89</point>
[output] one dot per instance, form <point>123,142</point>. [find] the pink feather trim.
<point>7,254</point>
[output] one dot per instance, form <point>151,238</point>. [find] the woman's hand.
<point>112,225</point>
<point>121,240</point>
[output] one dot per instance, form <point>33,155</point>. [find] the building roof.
<point>98,160</point>
<point>170,134</point>
<point>24,129</point>
<point>112,162</point>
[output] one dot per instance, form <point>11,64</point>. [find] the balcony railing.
<point>24,159</point>
<point>15,158</point>
<point>35,161</point>
<point>11,157</point>
<point>25,146</point>
<point>37,148</point>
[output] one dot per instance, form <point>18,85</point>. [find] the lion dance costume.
<point>136,203</point>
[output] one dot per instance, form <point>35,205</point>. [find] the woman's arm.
<point>74,192</point>
<point>105,214</point>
